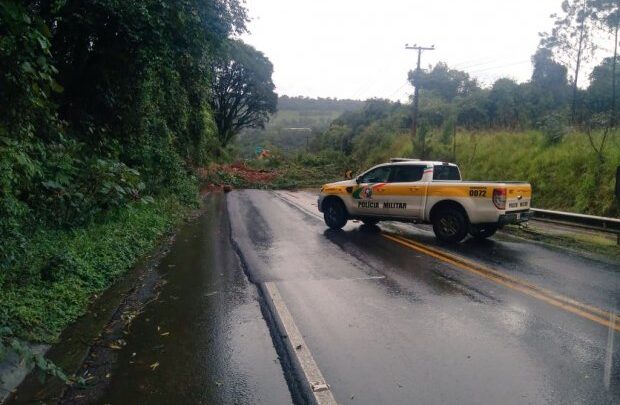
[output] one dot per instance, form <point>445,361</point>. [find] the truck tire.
<point>334,214</point>
<point>483,231</point>
<point>450,226</point>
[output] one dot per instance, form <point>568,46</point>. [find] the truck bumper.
<point>514,217</point>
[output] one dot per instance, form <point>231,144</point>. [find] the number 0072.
<point>477,193</point>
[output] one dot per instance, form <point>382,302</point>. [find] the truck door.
<point>405,191</point>
<point>369,194</point>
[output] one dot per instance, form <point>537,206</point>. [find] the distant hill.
<point>298,121</point>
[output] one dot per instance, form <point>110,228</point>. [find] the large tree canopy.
<point>243,91</point>
<point>572,40</point>
<point>549,80</point>
<point>599,93</point>
<point>444,82</point>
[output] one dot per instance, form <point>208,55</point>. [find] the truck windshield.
<point>446,172</point>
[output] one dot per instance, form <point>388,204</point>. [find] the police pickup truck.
<point>410,190</point>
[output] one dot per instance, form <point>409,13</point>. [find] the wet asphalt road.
<point>388,324</point>
<point>385,324</point>
<point>204,339</point>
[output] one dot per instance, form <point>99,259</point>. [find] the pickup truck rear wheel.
<point>483,231</point>
<point>450,226</point>
<point>334,214</point>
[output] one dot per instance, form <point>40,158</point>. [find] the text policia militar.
<point>376,204</point>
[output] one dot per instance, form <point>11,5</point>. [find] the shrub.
<point>553,128</point>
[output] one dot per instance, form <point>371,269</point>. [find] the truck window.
<point>446,172</point>
<point>406,173</point>
<point>378,175</point>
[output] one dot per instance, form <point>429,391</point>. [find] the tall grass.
<point>564,176</point>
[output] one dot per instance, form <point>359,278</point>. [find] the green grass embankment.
<point>53,283</point>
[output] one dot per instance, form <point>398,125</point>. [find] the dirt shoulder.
<point>581,240</point>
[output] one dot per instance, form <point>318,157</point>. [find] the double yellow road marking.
<point>586,311</point>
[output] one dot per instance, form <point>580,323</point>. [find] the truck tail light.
<point>499,198</point>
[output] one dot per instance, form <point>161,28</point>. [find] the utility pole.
<point>416,96</point>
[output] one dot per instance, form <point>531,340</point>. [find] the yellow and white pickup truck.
<point>410,190</point>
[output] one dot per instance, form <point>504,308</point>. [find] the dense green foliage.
<point>101,105</point>
<point>449,95</point>
<point>105,108</point>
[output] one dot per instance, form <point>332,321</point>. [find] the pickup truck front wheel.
<point>450,226</point>
<point>334,214</point>
<point>483,231</point>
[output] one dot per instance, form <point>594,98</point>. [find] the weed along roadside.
<point>92,271</point>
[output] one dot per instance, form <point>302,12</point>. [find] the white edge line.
<point>300,354</point>
<point>295,203</point>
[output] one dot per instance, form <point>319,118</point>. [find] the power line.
<point>369,83</point>
<point>398,89</point>
<point>475,62</point>
<point>500,66</point>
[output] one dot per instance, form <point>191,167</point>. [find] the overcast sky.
<point>355,48</point>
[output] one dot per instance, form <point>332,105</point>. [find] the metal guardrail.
<point>591,222</point>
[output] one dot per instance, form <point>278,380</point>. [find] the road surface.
<point>261,302</point>
<point>391,317</point>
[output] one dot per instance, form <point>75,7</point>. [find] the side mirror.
<point>358,180</point>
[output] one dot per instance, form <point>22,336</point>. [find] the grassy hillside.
<point>566,176</point>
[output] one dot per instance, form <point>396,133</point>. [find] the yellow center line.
<point>509,278</point>
<point>556,300</point>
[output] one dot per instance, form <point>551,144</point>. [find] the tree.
<point>571,39</point>
<point>504,104</point>
<point>549,90</point>
<point>607,12</point>
<point>243,93</point>
<point>444,82</point>
<point>599,96</point>
<point>472,111</point>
